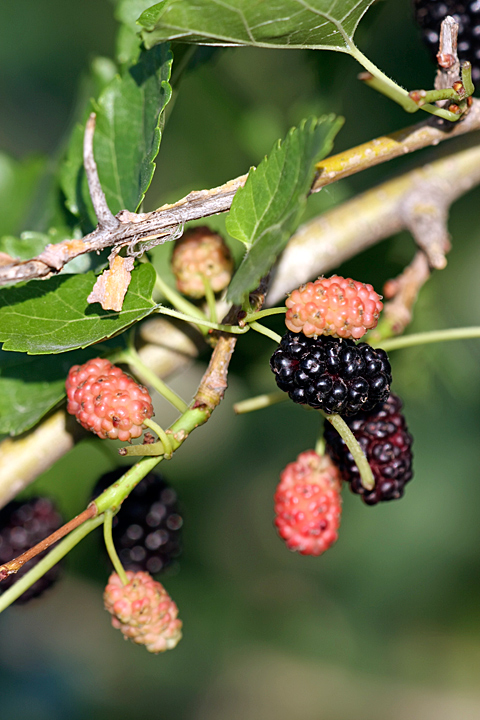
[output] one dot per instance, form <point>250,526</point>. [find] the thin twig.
<point>106,219</point>
<point>447,56</point>
<point>14,565</point>
<point>51,559</point>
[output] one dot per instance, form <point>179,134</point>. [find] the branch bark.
<point>417,201</point>
<point>158,226</point>
<point>106,219</point>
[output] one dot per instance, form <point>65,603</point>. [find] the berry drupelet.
<point>23,524</point>
<point>147,529</point>
<point>334,375</point>
<point>386,442</point>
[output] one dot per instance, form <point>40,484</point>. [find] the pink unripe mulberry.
<point>143,611</point>
<point>201,253</point>
<point>308,505</point>
<point>106,401</point>
<point>336,306</point>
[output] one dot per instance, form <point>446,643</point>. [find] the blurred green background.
<point>387,623</point>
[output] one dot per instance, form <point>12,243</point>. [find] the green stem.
<point>112,553</point>
<point>265,331</point>
<point>210,296</point>
<point>320,446</point>
<point>57,553</point>
<point>382,83</point>
<point>467,81</point>
<point>259,402</point>
<point>232,329</point>
<point>432,336</point>
<point>351,442</point>
<point>131,357</point>
<point>177,300</point>
<point>113,496</point>
<point>266,313</point>
<point>167,445</point>
<point>181,303</point>
<point>179,431</point>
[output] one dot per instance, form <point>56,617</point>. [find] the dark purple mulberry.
<point>23,524</point>
<point>386,442</point>
<point>332,374</point>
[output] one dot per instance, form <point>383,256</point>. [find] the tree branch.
<point>411,201</point>
<point>158,226</point>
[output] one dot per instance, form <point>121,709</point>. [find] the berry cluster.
<point>143,611</point>
<point>106,401</point>
<point>23,524</point>
<point>319,364</point>
<point>334,375</point>
<point>308,504</point>
<point>429,15</point>
<point>147,530</point>
<point>383,436</point>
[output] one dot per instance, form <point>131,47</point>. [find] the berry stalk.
<point>178,301</point>
<point>231,329</point>
<point>210,297</point>
<point>266,313</point>
<point>112,553</point>
<point>432,336</point>
<point>265,331</point>
<point>258,402</point>
<point>131,357</point>
<point>164,438</point>
<point>351,442</point>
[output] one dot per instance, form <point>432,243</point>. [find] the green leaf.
<point>267,210</point>
<point>53,316</point>
<point>18,181</point>
<point>316,24</point>
<point>30,386</point>
<point>130,118</point>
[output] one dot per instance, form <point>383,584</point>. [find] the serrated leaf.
<point>317,24</point>
<point>31,385</point>
<point>267,210</point>
<point>130,117</point>
<point>53,316</point>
